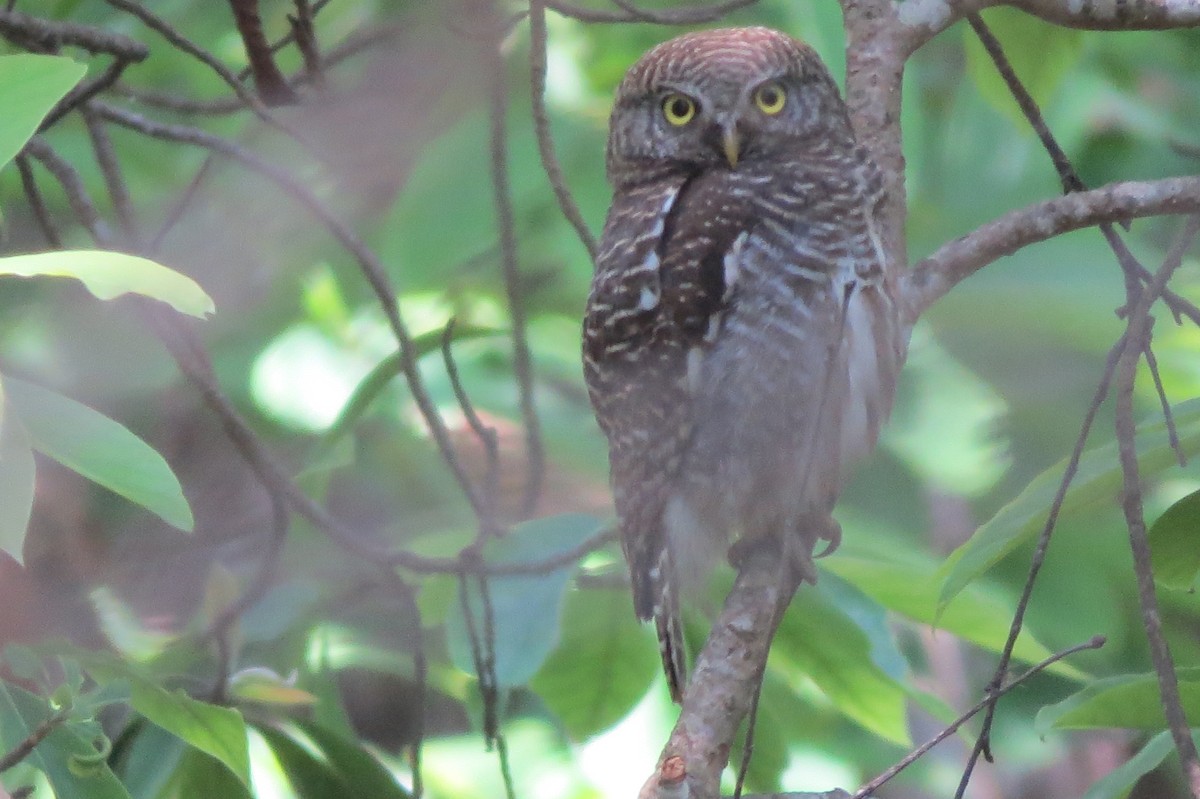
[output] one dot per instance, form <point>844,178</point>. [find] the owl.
<point>741,341</point>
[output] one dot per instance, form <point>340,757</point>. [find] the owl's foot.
<point>796,552</point>
<point>831,533</point>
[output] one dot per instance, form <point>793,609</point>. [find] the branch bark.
<point>723,683</point>
<point>934,276</point>
<point>921,20</point>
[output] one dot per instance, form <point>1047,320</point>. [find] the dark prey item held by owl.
<point>741,343</point>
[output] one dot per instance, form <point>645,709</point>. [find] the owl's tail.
<point>668,623</point>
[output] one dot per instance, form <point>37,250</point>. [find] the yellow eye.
<point>770,98</point>
<point>678,108</point>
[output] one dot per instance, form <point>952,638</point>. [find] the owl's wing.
<point>656,304</point>
<point>634,365</point>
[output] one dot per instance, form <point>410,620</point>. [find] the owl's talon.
<point>831,535</point>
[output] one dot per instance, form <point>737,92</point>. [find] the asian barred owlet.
<point>741,343</point>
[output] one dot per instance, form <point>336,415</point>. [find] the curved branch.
<point>934,276</point>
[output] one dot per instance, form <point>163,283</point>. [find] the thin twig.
<point>1036,561</point>
<point>287,38</point>
<point>110,168</point>
<point>72,184</point>
<point>264,575</point>
<point>1137,338</point>
<point>37,203</point>
<point>176,211</point>
<point>489,523</point>
<point>35,737</point>
<point>305,33</point>
<point>865,791</point>
<point>1165,407</point>
<point>514,290</point>
<point>541,126</point>
<point>688,15</point>
<point>181,42</point>
<point>48,36</point>
<point>85,91</point>
<point>367,261</point>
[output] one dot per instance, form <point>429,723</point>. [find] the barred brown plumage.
<point>741,344</point>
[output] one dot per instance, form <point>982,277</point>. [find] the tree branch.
<point>935,275</point>
<point>723,682</point>
<point>921,20</point>
<point>47,36</point>
<point>1137,338</point>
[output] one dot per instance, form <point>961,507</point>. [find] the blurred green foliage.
<point>333,673</point>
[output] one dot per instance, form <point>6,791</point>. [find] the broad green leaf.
<point>1129,701</point>
<point>911,589</point>
<point>150,759</point>
<point>602,666</point>
<point>217,731</point>
<point>30,85</point>
<point>111,274</point>
<point>1175,543</point>
<point>358,768</point>
<point>1117,783</point>
<point>100,449</point>
<point>1098,479</point>
<point>200,775</point>
<point>320,764</point>
<point>525,609</point>
<point>309,775</point>
<point>16,480</point>
<point>20,713</point>
<point>1041,56</point>
<point>818,641</point>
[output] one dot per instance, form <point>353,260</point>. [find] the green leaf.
<point>201,775</point>
<point>16,480</point>
<point>30,85</point>
<point>1117,783</point>
<point>1041,56</point>
<point>818,641</point>
<point>309,775</point>
<point>1174,538</point>
<point>1098,479</point>
<point>603,664</point>
<point>100,449</point>
<point>363,774</point>
<point>150,759</point>
<point>20,713</point>
<point>911,589</point>
<point>525,609</point>
<point>217,731</point>
<point>320,764</point>
<point>1129,701</point>
<point>111,274</point>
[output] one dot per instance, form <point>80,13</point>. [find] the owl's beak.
<point>731,143</point>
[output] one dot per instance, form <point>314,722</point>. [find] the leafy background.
<point>325,697</point>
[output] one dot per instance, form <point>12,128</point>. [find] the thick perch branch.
<point>723,684</point>
<point>934,276</point>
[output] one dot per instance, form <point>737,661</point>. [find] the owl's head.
<point>723,99</point>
